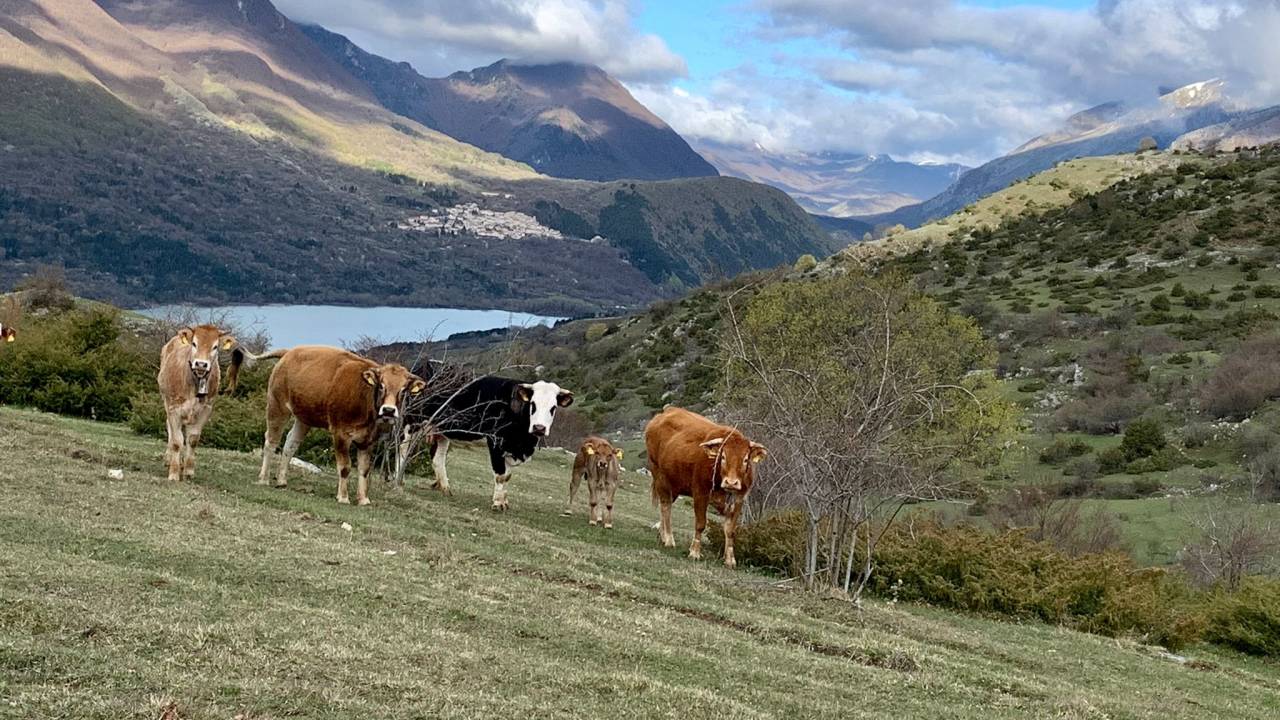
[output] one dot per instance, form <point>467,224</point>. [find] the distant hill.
<point>834,184</point>
<point>564,119</point>
<point>1200,115</point>
<point>192,150</point>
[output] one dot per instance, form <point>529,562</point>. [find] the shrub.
<point>1247,620</point>
<point>1111,461</point>
<point>805,263</point>
<point>1085,468</point>
<point>74,363</point>
<point>1142,438</point>
<point>1160,303</point>
<point>1062,449</point>
<point>1246,378</point>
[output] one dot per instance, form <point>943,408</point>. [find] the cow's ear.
<point>758,452</point>
<point>370,378</point>
<point>228,342</point>
<point>591,449</point>
<point>521,395</point>
<point>617,453</point>
<point>185,335</point>
<point>564,398</point>
<point>713,447</point>
<point>417,387</point>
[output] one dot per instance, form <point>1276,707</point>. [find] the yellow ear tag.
<point>757,458</point>
<point>591,450</point>
<point>10,338</point>
<point>416,388</point>
<point>226,344</point>
<point>369,379</point>
<point>618,452</point>
<point>184,339</point>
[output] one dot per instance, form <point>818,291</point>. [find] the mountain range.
<point>212,151</point>
<point>564,119</point>
<point>834,184</point>
<point>1199,116</point>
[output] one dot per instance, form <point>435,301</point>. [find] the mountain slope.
<point>839,185</point>
<point>217,137</point>
<point>1103,130</point>
<point>565,119</point>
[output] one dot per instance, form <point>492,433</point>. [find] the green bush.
<point>1111,461</point>
<point>1062,449</point>
<point>76,363</point>
<point>966,568</point>
<point>1142,438</point>
<point>1247,620</point>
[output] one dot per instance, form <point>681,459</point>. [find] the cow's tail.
<point>243,358</point>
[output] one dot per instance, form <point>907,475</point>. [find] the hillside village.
<point>471,219</point>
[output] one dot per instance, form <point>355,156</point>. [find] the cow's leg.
<point>193,439</point>
<point>730,529</point>
<point>342,453</point>
<point>364,463</point>
<point>173,451</point>
<point>665,535</point>
<point>610,489</point>
<point>501,474</point>
<point>574,481</point>
<point>276,415</point>
<point>699,525</point>
<point>594,487</point>
<point>291,444</point>
<point>404,450</point>
<point>438,465</point>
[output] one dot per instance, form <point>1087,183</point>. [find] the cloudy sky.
<point>919,79</point>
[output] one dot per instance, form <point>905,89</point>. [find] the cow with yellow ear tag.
<point>598,462</point>
<point>189,379</point>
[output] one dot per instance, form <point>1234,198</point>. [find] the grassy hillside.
<point>1154,297</point>
<point>218,598</point>
<point>1054,188</point>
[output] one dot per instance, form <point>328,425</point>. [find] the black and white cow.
<point>511,416</point>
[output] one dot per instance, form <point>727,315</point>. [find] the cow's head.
<point>736,458</point>
<point>600,452</point>
<point>7,333</point>
<point>541,399</point>
<point>392,386</point>
<point>202,344</point>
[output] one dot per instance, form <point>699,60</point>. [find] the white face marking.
<point>542,408</point>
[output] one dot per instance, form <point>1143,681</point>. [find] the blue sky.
<point>925,80</point>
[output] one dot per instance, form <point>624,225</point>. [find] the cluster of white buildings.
<point>471,219</point>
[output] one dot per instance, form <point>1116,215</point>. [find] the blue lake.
<point>290,325</point>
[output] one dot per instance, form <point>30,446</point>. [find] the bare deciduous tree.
<point>865,392</point>
<point>1234,541</point>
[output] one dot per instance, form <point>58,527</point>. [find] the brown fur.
<point>336,390</point>
<point>597,462</point>
<point>186,409</point>
<point>684,449</point>
<point>7,334</point>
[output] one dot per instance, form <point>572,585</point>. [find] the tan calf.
<point>188,379</point>
<point>352,397</point>
<point>597,462</point>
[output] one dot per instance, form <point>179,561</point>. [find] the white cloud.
<point>443,36</point>
<point>946,80</point>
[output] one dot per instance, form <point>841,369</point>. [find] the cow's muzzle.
<point>200,368</point>
<point>538,430</point>
<point>388,412</point>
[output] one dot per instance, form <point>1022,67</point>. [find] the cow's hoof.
<point>344,501</point>
<point>608,526</point>
<point>261,481</point>
<point>592,523</point>
<point>730,564</point>
<point>362,501</point>
<point>500,507</point>
<point>280,485</point>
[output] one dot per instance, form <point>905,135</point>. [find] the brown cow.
<point>352,397</point>
<point>188,379</point>
<point>712,463</point>
<point>597,461</point>
<point>7,333</point>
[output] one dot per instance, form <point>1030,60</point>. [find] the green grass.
<point>122,596</point>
